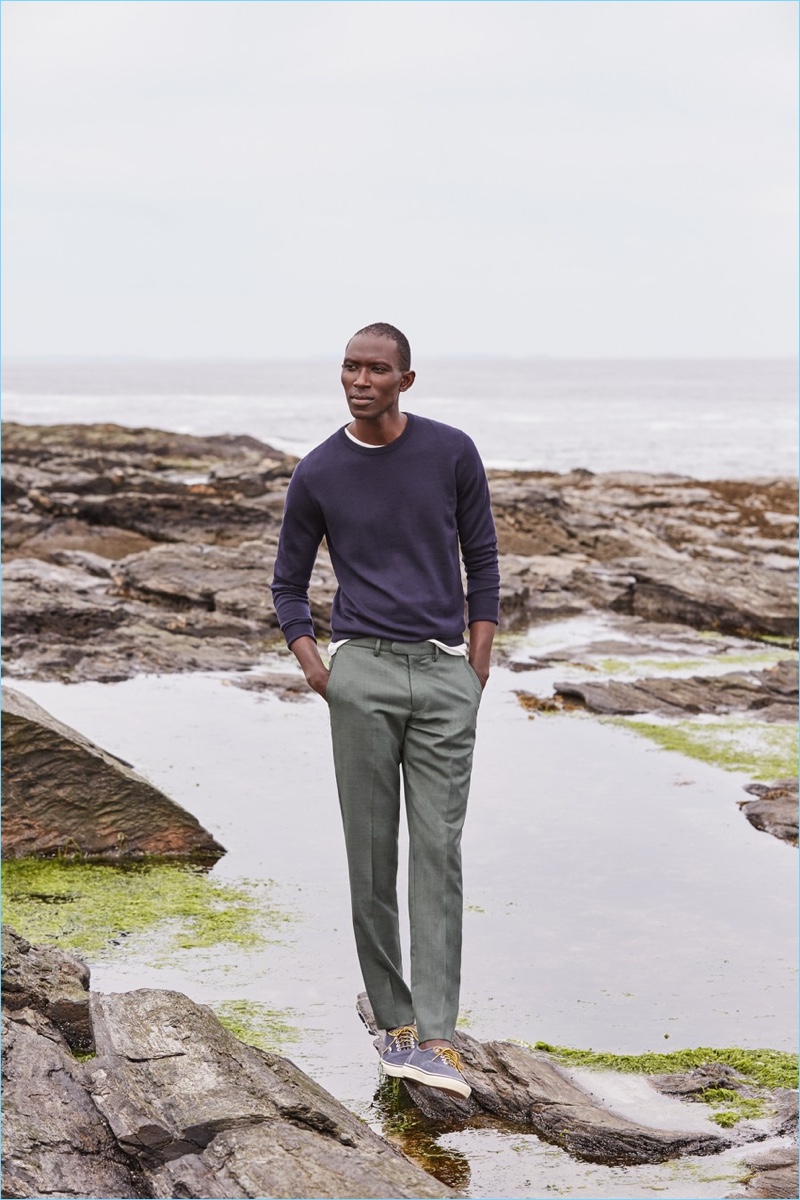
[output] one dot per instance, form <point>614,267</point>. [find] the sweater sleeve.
<point>477,536</point>
<point>302,530</point>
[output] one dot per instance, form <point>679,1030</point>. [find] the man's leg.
<point>437,764</point>
<point>368,696</point>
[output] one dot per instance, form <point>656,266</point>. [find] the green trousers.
<point>396,707</point>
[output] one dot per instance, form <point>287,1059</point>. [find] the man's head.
<point>375,370</point>
<point>382,329</point>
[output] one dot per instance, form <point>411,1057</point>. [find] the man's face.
<point>371,376</point>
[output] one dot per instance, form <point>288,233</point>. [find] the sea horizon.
<point>699,417</point>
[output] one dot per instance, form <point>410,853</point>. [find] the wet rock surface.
<point>775,1174</point>
<point>56,1143</point>
<point>129,550</point>
<point>774,809</point>
<point>770,694</point>
<point>62,794</point>
<point>285,685</point>
<point>49,982</point>
<point>174,1105</point>
<point>714,1075</point>
<point>631,638</point>
<point>526,1088</point>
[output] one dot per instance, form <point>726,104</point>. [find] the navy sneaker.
<point>398,1044</point>
<point>438,1067</point>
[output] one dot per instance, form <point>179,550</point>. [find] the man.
<point>395,496</point>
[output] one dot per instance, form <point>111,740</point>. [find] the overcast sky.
<point>209,178</point>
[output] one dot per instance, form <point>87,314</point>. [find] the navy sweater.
<point>393,517</point>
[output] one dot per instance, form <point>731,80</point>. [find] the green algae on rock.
<point>257,1024</point>
<point>89,907</point>
<point>731,1107</point>
<point>764,1068</point>
<point>764,752</point>
<point>762,1071</point>
<point>648,666</point>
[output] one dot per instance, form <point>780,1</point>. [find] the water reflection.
<point>402,1123</point>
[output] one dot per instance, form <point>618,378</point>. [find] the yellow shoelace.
<point>405,1038</point>
<point>449,1055</point>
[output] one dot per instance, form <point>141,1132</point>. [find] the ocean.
<point>703,418</point>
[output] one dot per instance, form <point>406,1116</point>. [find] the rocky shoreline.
<point>137,550</point>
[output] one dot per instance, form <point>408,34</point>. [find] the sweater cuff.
<point>298,629</point>
<point>483,611</point>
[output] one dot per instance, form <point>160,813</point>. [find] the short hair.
<point>382,329</point>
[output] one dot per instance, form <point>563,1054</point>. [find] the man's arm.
<point>302,531</point>
<point>481,636</point>
<point>478,538</point>
<point>307,654</point>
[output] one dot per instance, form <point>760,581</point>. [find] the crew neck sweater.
<point>394,518</point>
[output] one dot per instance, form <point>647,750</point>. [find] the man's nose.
<point>362,378</point>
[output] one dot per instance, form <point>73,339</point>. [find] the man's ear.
<point>407,380</point>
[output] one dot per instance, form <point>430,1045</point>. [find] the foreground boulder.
<point>64,794</point>
<point>174,1105</point>
<point>208,1116</point>
<point>55,1141</point>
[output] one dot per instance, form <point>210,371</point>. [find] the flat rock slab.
<point>64,794</point>
<point>232,580</point>
<point>773,809</point>
<point>712,554</point>
<point>97,445</point>
<point>743,598</point>
<point>527,1089</point>
<point>41,599</point>
<point>770,694</point>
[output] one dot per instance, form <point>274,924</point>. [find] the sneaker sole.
<point>458,1086</point>
<point>395,1072</point>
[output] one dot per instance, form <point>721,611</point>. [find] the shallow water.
<point>615,897</point>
